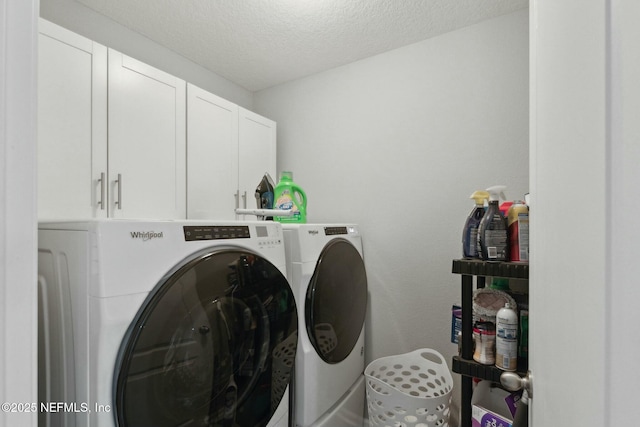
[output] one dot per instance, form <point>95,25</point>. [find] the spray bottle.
<point>470,231</point>
<point>492,232</point>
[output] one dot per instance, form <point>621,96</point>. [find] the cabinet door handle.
<point>244,200</point>
<point>237,197</point>
<point>102,187</point>
<point>119,184</point>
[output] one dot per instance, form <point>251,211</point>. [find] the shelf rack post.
<point>464,364</point>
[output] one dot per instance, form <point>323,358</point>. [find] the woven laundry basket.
<point>409,390</point>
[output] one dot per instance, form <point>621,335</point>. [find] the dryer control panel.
<point>215,232</point>
<point>340,230</point>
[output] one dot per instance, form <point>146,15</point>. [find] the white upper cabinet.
<point>72,124</point>
<point>121,139</point>
<point>212,155</point>
<point>147,127</point>
<point>228,151</point>
<point>111,133</point>
<point>256,154</point>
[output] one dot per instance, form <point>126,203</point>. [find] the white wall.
<point>18,307</point>
<point>80,19</point>
<point>397,143</point>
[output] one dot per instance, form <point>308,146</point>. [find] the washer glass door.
<point>336,301</point>
<point>213,345</point>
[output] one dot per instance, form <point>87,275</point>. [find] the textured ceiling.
<point>262,43</point>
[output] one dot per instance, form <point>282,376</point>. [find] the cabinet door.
<point>212,155</point>
<point>147,165</point>
<point>72,125</point>
<point>256,154</point>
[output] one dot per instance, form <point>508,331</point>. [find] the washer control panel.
<point>267,235</point>
<point>215,232</point>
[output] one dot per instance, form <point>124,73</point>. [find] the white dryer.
<point>164,323</point>
<point>325,267</point>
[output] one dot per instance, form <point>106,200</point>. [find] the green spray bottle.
<point>288,196</point>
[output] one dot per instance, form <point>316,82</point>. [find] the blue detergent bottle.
<point>471,225</point>
<point>289,196</point>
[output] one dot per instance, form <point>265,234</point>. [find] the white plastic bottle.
<point>507,338</point>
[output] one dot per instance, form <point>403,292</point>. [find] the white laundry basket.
<point>284,354</point>
<point>409,390</point>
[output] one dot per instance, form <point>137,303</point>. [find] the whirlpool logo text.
<point>146,235</point>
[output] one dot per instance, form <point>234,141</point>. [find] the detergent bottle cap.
<point>286,176</point>
<point>480,197</point>
<point>496,192</point>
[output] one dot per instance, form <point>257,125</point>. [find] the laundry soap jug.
<point>288,196</point>
<point>492,231</point>
<point>470,232</point>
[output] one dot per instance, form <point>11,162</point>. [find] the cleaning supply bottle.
<point>484,336</point>
<point>470,231</point>
<point>518,228</point>
<point>492,232</point>
<point>507,338</point>
<point>288,196</point>
<point>500,284</point>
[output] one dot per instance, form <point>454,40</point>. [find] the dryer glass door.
<point>213,345</point>
<point>336,301</point>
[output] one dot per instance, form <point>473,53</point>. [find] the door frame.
<point>18,223</point>
<point>583,162</point>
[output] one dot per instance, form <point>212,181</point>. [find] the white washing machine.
<point>325,267</point>
<point>164,323</point>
